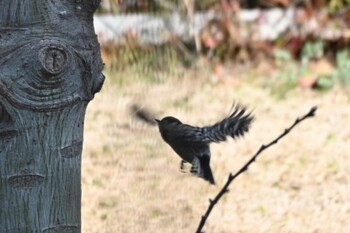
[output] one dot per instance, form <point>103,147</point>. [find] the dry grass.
<point>132,182</point>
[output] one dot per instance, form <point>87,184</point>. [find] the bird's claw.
<point>182,166</point>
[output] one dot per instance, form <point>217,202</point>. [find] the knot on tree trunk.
<point>53,75</point>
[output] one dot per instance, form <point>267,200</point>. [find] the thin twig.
<point>231,177</point>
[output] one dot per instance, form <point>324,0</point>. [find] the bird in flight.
<point>192,143</point>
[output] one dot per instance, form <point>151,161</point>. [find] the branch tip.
<point>313,111</point>
<point>230,176</point>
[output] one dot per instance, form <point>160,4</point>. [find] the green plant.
<point>342,72</point>
<point>108,203</point>
<point>335,5</point>
<point>97,182</point>
<point>312,50</point>
<point>287,78</point>
<point>325,82</point>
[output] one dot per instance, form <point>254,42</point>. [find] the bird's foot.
<point>182,166</point>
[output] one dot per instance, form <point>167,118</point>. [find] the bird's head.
<point>167,125</point>
<point>167,121</point>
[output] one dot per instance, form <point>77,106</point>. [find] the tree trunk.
<point>50,68</point>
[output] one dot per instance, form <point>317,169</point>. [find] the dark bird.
<point>192,143</point>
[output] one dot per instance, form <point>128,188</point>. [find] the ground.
<point>132,181</point>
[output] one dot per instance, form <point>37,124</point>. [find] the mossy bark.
<point>50,68</point>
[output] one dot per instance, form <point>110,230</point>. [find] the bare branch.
<point>231,177</point>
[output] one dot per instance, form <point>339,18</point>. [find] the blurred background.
<point>192,59</point>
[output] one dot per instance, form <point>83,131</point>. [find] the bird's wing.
<point>186,134</point>
<point>143,114</point>
<point>235,125</point>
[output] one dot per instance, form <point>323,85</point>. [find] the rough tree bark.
<point>50,68</point>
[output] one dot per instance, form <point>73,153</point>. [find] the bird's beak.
<point>157,120</point>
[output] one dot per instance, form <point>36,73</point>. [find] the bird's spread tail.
<point>201,167</point>
<point>235,125</point>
